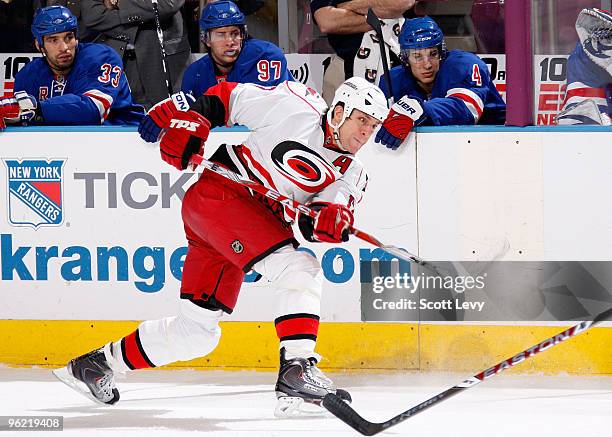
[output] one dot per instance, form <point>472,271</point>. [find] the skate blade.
<point>77,385</point>
<point>289,406</point>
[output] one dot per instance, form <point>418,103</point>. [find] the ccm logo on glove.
<point>184,124</point>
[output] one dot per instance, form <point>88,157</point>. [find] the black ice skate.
<point>91,376</point>
<point>300,382</point>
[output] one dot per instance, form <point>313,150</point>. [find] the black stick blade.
<point>343,411</point>
<point>373,20</point>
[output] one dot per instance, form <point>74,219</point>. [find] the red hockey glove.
<point>9,109</point>
<point>185,136</point>
<point>399,122</point>
<point>159,116</point>
<point>332,224</point>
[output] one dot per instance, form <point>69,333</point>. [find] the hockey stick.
<point>374,22</point>
<point>298,207</point>
<point>160,38</point>
<point>348,415</point>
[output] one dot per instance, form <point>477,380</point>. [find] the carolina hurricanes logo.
<point>302,166</point>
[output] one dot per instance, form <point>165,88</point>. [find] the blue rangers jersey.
<point>259,62</point>
<point>94,92</point>
<point>463,92</point>
<point>587,80</point>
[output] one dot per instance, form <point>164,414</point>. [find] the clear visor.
<point>215,35</point>
<point>421,56</point>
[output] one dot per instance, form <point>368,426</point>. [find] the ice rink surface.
<point>215,403</point>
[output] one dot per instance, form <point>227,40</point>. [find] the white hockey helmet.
<point>358,93</point>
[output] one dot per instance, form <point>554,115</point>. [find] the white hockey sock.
<point>112,353</point>
<point>299,349</point>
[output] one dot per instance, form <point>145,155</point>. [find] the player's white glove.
<point>22,108</point>
<point>399,122</point>
<point>594,27</point>
<point>585,112</point>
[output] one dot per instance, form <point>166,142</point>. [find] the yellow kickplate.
<point>244,345</point>
<point>344,346</point>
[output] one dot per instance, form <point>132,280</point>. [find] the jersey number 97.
<point>264,67</point>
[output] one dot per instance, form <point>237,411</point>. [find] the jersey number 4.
<point>476,75</point>
<point>264,67</point>
<point>110,74</point>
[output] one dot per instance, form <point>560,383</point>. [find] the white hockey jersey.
<point>286,149</point>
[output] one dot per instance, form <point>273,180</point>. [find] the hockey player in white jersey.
<point>296,146</point>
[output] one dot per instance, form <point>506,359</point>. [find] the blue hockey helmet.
<point>420,33</point>
<point>53,19</point>
<point>221,14</point>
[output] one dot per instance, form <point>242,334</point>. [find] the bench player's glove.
<point>22,108</point>
<point>185,136</point>
<point>399,122</point>
<point>9,108</point>
<point>332,225</point>
<point>159,116</point>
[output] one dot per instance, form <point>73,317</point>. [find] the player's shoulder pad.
<point>256,49</point>
<point>401,80</point>
<point>401,74</point>
<point>397,72</point>
<point>32,68</point>
<point>199,66</point>
<point>91,56</point>
<point>459,65</point>
<point>201,62</point>
<point>306,94</point>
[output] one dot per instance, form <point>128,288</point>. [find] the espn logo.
<point>184,124</point>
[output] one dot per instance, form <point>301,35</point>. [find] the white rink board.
<point>126,207</point>
<point>544,192</point>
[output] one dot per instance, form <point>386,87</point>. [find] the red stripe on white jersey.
<point>256,167</point>
<point>472,101</point>
<point>261,173</point>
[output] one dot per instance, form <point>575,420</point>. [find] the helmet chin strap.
<point>335,130</point>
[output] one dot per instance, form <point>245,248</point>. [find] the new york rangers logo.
<point>35,191</point>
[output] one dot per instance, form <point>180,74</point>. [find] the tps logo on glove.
<point>184,124</point>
